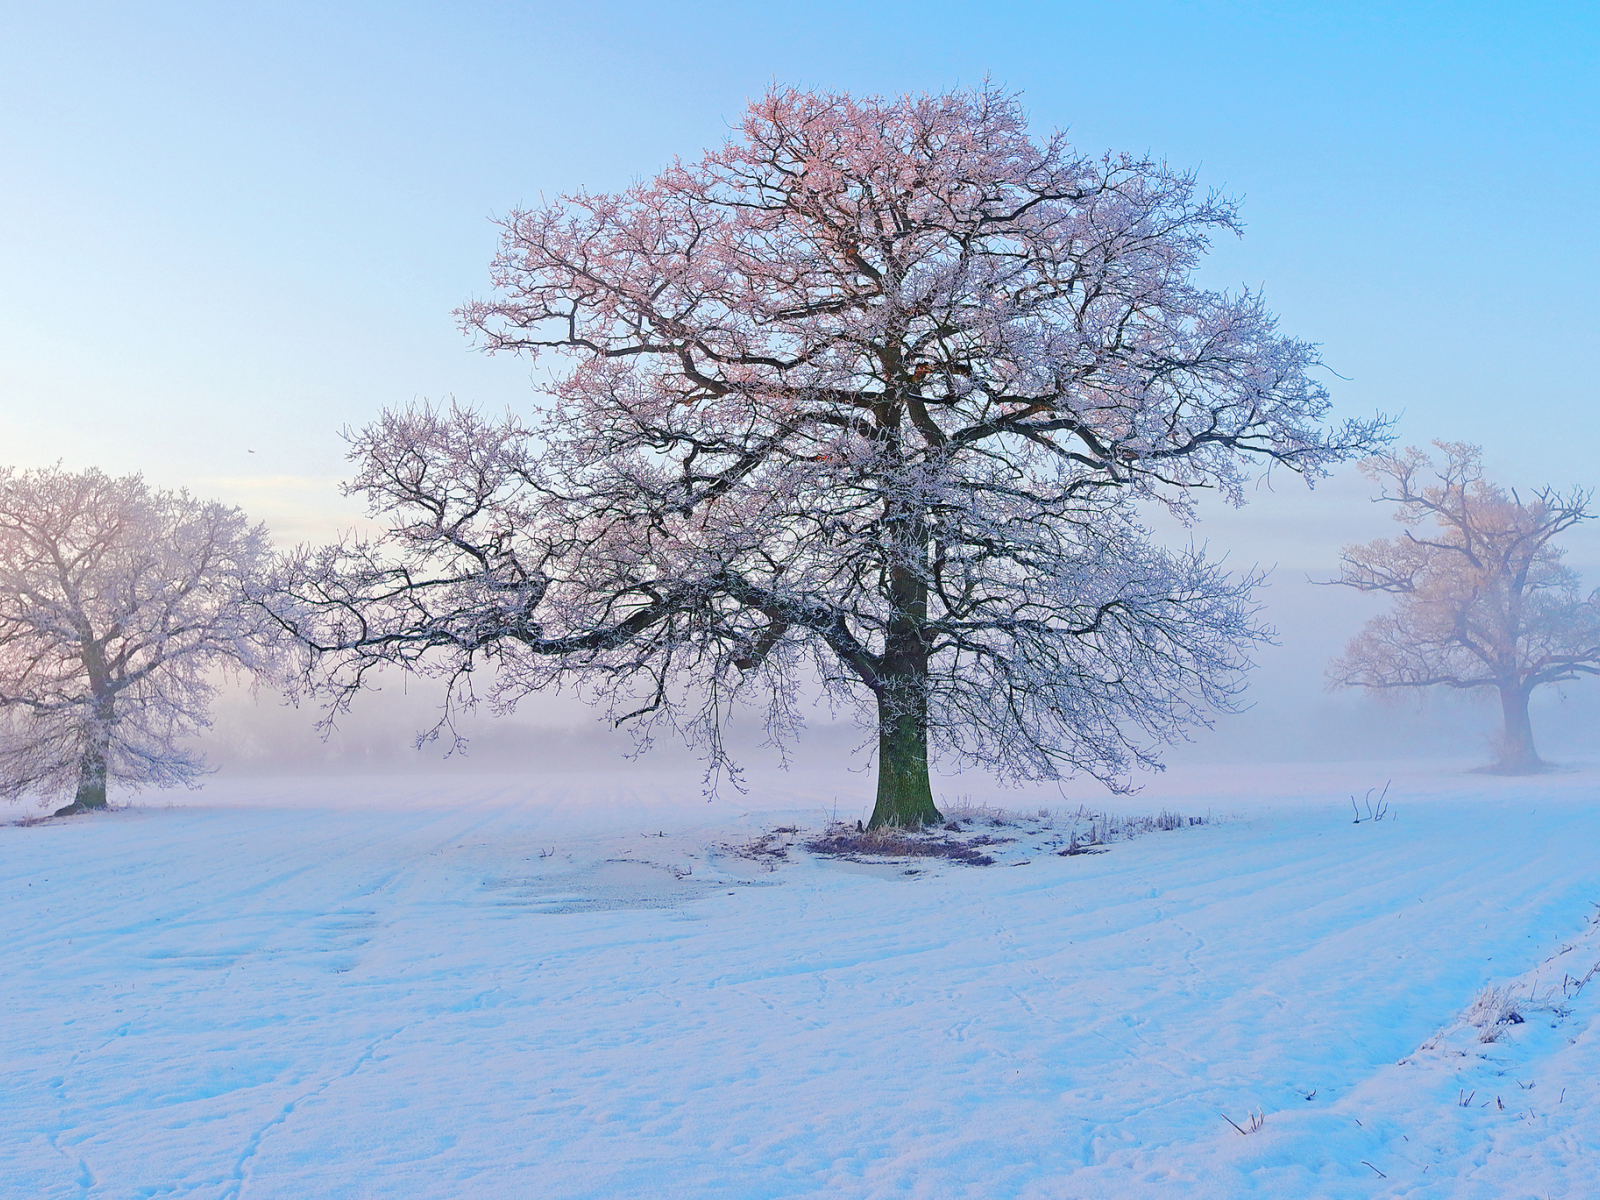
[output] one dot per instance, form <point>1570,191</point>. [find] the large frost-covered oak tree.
<point>872,392</point>
<point>118,604</point>
<point>1481,596</point>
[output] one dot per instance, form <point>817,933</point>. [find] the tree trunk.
<point>905,797</point>
<point>1517,754</point>
<point>92,765</point>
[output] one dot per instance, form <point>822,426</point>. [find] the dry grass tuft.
<point>1495,1009</point>
<point>1092,832</point>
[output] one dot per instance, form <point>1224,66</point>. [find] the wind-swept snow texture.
<point>564,988</point>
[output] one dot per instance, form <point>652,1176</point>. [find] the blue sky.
<point>230,228</point>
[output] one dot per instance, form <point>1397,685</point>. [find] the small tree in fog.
<point>1482,598</point>
<point>117,603</point>
<point>868,394</point>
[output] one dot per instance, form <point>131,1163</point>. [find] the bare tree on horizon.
<point>1482,601</point>
<point>117,601</point>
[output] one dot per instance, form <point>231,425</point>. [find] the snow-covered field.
<point>566,987</point>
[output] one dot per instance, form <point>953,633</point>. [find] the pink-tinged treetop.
<point>845,252</point>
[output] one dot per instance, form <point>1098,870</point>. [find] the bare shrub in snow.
<point>869,394</point>
<point>117,603</point>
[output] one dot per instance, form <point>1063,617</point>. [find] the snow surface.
<point>570,987</point>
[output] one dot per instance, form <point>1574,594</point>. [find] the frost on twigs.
<point>867,397</point>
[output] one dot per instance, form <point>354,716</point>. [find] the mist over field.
<point>1288,714</point>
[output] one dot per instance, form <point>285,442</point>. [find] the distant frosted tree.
<point>868,393</point>
<point>117,603</point>
<point>1482,598</point>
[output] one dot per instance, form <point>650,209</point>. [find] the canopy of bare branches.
<point>1482,596</point>
<point>116,604</point>
<point>867,392</point>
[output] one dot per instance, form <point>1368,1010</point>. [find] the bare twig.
<point>1257,1120</point>
<point>1373,814</point>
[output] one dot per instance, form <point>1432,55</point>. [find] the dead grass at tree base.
<point>967,835</point>
<point>841,841</point>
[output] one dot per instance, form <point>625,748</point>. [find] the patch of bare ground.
<point>768,850</point>
<point>975,835</point>
<point>840,840</point>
